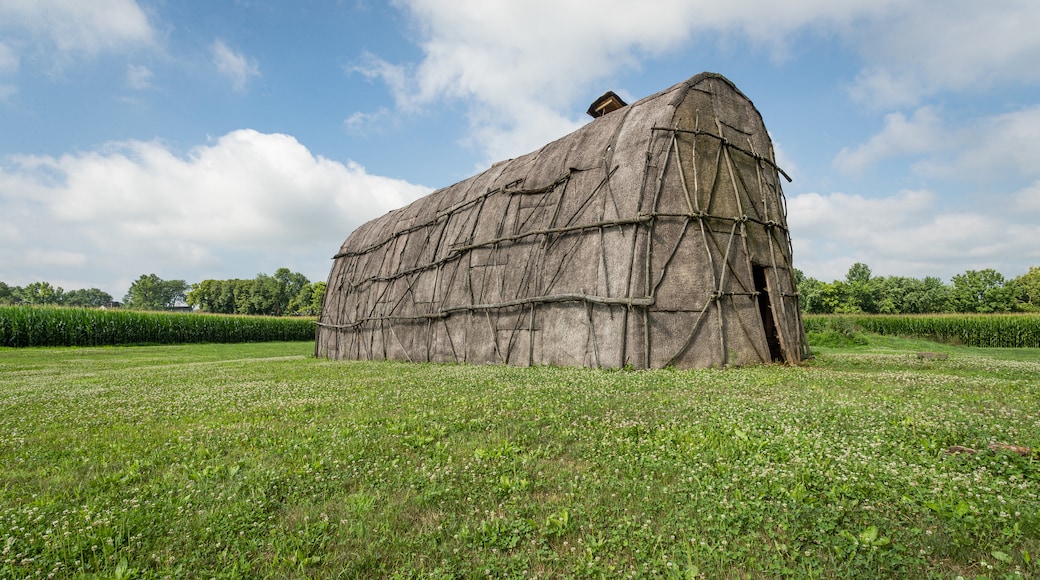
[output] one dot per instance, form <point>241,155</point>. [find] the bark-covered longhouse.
<point>654,236</point>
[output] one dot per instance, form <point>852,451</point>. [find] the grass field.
<point>256,460</point>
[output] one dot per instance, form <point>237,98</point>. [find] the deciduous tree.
<point>41,293</point>
<point>982,291</point>
<point>1028,290</point>
<point>151,292</point>
<point>263,295</point>
<point>308,300</point>
<point>8,294</point>
<point>862,290</point>
<point>88,298</point>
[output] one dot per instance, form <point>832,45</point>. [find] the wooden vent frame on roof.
<point>608,103</point>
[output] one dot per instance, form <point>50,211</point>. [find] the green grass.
<point>256,460</point>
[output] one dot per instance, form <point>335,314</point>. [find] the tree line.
<point>285,293</point>
<point>281,294</point>
<point>45,293</point>
<point>974,291</point>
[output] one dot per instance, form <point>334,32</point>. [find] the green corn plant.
<point>981,330</point>
<point>24,326</point>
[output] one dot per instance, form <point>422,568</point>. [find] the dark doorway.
<point>765,308</point>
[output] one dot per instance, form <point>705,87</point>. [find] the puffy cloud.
<point>8,59</point>
<point>234,65</point>
<point>74,27</point>
<point>246,202</point>
<point>921,133</point>
<point>980,149</point>
<point>1028,199</point>
<point>908,233</point>
<point>61,258</point>
<point>139,77</point>
<point>395,76</point>
<point>855,216</point>
<point>9,63</point>
<point>59,32</point>
<point>916,49</point>
<point>882,88</point>
<point>518,65</point>
<point>361,123</point>
<point>785,161</point>
<point>1006,142</point>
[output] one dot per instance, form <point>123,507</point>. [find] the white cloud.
<point>519,65</point>
<point>234,65</point>
<point>784,161</point>
<point>360,123</point>
<point>855,216</point>
<point>921,133</point>
<point>139,77</point>
<point>246,202</point>
<point>1028,199</point>
<point>992,148</point>
<point>1006,142</point>
<point>8,60</point>
<point>916,49</point>
<point>395,76</point>
<point>61,258</point>
<point>76,28</point>
<point>882,88</point>
<point>908,233</point>
<point>9,63</point>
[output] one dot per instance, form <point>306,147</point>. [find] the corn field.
<point>52,326</point>
<point>981,330</point>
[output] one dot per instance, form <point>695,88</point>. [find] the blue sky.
<point>221,139</point>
